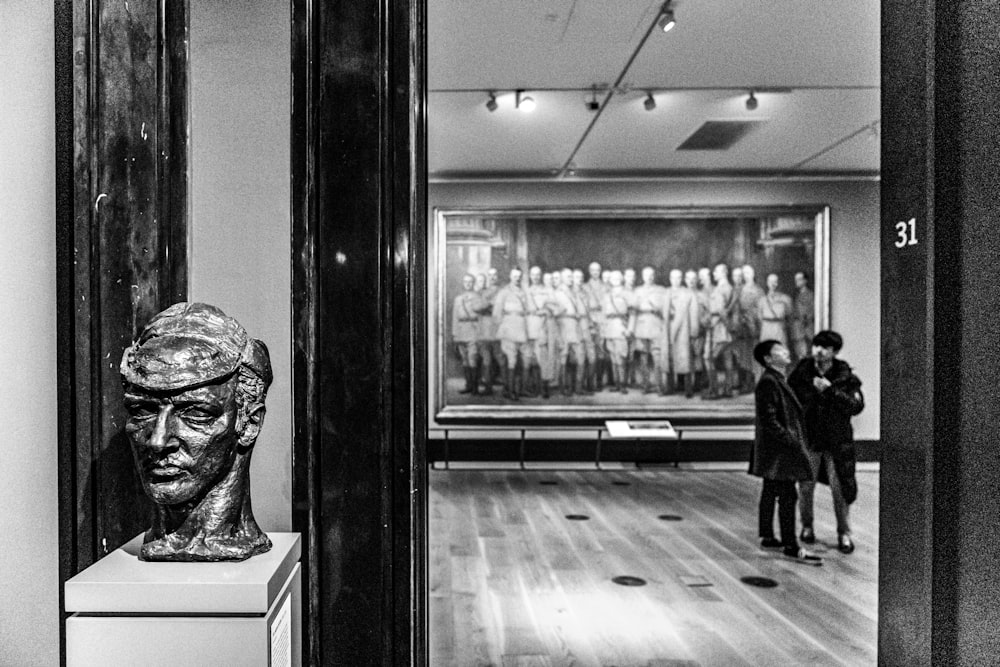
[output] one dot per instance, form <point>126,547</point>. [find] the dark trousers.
<point>784,493</point>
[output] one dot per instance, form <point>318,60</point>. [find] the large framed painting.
<point>583,315</point>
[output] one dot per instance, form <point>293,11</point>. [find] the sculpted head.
<point>535,275</point>
<point>676,277</point>
<point>195,385</point>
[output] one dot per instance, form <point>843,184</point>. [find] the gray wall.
<point>854,256</point>
<point>241,217</point>
<point>29,566</point>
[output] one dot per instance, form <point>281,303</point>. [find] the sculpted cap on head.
<point>192,344</point>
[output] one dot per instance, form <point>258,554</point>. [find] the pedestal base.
<point>129,612</point>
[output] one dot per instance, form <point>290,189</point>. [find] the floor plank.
<point>512,581</point>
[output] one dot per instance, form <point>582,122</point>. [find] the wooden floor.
<point>514,582</point>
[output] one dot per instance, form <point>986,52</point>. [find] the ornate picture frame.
<point>644,354</point>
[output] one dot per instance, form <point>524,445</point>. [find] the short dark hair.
<point>763,349</point>
<point>827,338</point>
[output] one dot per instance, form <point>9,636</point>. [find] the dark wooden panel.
<point>906,421</point>
<point>122,251</point>
<point>358,236</point>
<point>969,101</point>
<point>938,383</point>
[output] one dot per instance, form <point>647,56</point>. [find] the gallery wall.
<point>29,548</point>
<point>854,252</point>
<point>240,246</point>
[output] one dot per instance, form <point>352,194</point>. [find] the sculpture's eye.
<point>197,416</point>
<point>141,410</point>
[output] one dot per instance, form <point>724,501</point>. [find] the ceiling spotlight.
<point>649,103</point>
<point>525,103</point>
<point>491,104</point>
<point>751,102</point>
<point>666,21</point>
<point>592,103</point>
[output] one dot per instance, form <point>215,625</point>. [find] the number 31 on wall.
<point>907,233</point>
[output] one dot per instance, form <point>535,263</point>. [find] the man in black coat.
<point>779,452</point>
<point>830,394</point>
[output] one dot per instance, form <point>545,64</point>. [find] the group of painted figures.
<point>578,334</point>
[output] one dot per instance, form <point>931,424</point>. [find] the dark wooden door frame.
<point>358,248</point>
<point>121,244</point>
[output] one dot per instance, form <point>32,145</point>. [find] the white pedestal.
<point>129,612</point>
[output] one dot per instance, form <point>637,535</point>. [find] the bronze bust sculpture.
<point>195,385</point>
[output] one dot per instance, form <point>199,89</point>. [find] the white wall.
<point>854,256</point>
<point>240,252</point>
<point>29,550</point>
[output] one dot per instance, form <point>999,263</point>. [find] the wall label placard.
<point>281,635</point>
<point>906,231</point>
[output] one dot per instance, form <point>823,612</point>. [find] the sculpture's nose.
<point>161,438</point>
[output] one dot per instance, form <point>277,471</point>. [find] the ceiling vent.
<point>718,135</point>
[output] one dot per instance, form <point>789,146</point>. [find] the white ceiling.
<point>821,56</point>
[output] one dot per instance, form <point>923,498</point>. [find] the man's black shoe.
<point>844,544</point>
<point>769,543</point>
<point>808,536</point>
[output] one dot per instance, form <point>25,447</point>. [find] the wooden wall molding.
<point>121,216</point>
<point>358,256</point>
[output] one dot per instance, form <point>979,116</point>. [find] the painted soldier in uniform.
<point>487,344</point>
<point>631,362</point>
<point>617,304</point>
<point>774,310</point>
<point>697,333</point>
<point>465,329</point>
<point>647,326</point>
<point>566,309</point>
<point>584,370</point>
<point>746,332</point>
<point>718,339</point>
<point>540,373</point>
<point>595,288</point>
<point>680,309</point>
<point>804,316</point>
<point>510,308</point>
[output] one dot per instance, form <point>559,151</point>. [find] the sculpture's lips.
<point>166,472</point>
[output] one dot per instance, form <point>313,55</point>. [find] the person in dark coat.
<point>830,394</point>
<point>779,452</point>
